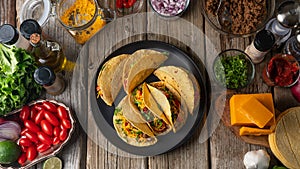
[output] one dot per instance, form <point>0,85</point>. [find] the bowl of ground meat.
<point>238,18</point>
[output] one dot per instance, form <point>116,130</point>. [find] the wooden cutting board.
<point>224,111</point>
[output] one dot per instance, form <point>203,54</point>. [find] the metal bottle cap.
<point>8,34</point>
<point>29,27</point>
<point>44,75</point>
<point>264,40</point>
<point>289,13</point>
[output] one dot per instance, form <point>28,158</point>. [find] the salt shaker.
<point>262,43</point>
<point>53,84</point>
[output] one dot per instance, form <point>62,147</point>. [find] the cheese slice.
<point>256,112</point>
<point>238,118</point>
<point>254,131</point>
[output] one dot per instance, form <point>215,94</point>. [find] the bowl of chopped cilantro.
<point>233,69</point>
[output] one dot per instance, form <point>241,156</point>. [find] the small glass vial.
<point>262,43</point>
<point>292,47</point>
<point>9,35</point>
<point>46,52</point>
<point>52,83</point>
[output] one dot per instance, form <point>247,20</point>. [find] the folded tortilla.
<point>139,66</point>
<point>146,107</point>
<point>285,141</point>
<point>130,127</point>
<point>109,80</point>
<point>180,79</point>
<point>170,102</point>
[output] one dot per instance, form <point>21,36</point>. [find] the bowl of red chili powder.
<point>282,70</point>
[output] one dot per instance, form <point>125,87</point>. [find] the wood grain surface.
<point>223,150</point>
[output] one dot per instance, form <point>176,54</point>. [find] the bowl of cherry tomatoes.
<point>46,126</point>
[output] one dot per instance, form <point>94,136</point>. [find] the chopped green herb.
<point>232,71</point>
<point>117,111</point>
<point>118,121</point>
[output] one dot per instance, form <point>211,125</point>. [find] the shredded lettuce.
<point>17,85</point>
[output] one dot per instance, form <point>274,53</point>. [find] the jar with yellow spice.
<point>83,18</point>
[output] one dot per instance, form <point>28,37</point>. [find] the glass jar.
<point>83,18</point>
<point>39,10</point>
<point>281,70</point>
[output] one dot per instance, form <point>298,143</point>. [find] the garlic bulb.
<point>259,159</point>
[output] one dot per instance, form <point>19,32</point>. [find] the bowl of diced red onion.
<point>169,8</point>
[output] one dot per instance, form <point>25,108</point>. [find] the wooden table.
<point>221,151</point>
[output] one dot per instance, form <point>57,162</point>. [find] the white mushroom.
<point>259,159</point>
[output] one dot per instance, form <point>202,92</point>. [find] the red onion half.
<point>169,7</point>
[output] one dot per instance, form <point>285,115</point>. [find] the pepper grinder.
<point>287,18</point>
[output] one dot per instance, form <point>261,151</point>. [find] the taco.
<point>130,127</point>
<point>182,81</point>
<point>170,102</point>
<point>146,107</point>
<point>139,66</point>
<point>109,80</point>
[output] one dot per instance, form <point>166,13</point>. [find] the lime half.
<point>53,163</point>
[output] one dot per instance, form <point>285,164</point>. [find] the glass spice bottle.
<point>52,83</point>
<point>46,52</point>
<point>262,43</point>
<point>292,47</point>
<point>9,35</point>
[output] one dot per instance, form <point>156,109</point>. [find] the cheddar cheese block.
<point>254,131</point>
<point>238,118</point>
<point>256,112</point>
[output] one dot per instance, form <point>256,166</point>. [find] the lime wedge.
<point>53,163</point>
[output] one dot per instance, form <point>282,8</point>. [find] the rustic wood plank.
<point>189,38</point>
<point>8,12</point>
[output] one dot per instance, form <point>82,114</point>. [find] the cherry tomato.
<point>33,113</point>
<point>125,4</point>
<point>31,153</point>
<point>62,113</point>
<point>25,142</point>
<point>119,3</point>
<point>47,127</point>
<point>51,118</point>
<point>49,106</point>
<point>23,148</point>
<point>56,140</point>
<point>42,147</point>
<point>56,131</point>
<point>39,117</point>
<point>63,135</point>
<point>23,131</point>
<point>38,107</point>
<point>31,126</point>
<point>66,123</point>
<point>44,138</point>
<point>25,112</point>
<point>31,136</point>
<point>22,159</point>
<point>131,2</point>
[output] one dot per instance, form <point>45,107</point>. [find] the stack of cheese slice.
<point>285,141</point>
<point>255,113</point>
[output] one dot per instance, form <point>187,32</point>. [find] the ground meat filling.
<point>245,15</point>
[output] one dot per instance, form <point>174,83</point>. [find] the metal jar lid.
<point>8,34</point>
<point>289,13</point>
<point>44,76</point>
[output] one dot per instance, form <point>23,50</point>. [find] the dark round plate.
<point>103,114</point>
